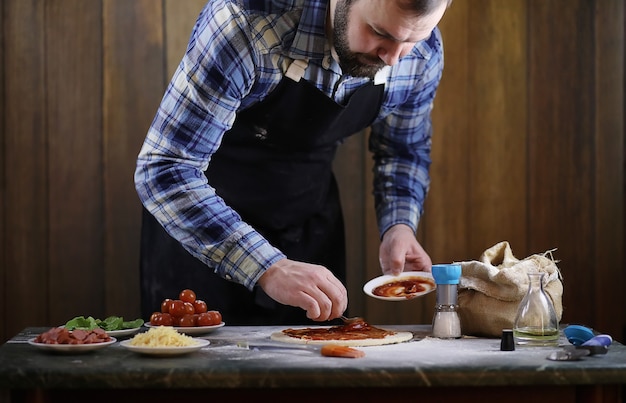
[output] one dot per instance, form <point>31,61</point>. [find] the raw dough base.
<point>398,337</point>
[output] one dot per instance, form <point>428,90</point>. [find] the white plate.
<point>71,348</point>
<point>123,332</point>
<point>165,351</point>
<point>189,330</point>
<point>369,287</point>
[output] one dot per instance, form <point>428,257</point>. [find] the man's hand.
<point>400,251</point>
<point>311,287</point>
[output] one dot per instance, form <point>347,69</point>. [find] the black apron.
<point>274,167</point>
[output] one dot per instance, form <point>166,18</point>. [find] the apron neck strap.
<point>296,69</point>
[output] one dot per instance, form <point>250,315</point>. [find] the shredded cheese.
<point>162,336</point>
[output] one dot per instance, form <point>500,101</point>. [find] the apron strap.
<point>296,69</point>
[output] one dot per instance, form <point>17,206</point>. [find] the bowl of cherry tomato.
<point>187,314</point>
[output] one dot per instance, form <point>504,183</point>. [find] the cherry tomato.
<point>161,319</point>
<point>187,295</point>
<point>167,320</point>
<point>177,308</point>
<point>187,320</point>
<point>165,305</point>
<point>155,318</point>
<point>204,319</point>
<point>189,308</point>
<point>209,318</point>
<point>199,306</point>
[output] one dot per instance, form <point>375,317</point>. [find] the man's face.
<point>370,34</point>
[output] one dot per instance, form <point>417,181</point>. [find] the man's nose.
<point>392,52</point>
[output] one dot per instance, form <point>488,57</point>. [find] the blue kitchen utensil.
<point>600,340</point>
<point>577,334</point>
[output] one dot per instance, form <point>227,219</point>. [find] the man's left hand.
<point>400,251</point>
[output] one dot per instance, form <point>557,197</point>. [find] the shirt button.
<point>228,277</point>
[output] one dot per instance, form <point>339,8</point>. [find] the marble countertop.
<point>423,361</point>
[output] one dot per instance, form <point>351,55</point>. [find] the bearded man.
<point>235,173</point>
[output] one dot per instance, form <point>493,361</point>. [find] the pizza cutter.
<point>597,345</point>
<point>567,354</point>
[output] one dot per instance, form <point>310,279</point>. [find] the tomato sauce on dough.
<point>358,330</point>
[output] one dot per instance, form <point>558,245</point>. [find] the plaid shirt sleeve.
<point>199,105</point>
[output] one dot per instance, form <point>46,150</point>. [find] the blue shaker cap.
<point>577,334</point>
<point>446,273</point>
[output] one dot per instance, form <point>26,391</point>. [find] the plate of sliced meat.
<point>61,340</point>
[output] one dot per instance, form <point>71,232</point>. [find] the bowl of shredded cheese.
<point>163,340</point>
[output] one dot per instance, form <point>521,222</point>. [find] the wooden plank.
<point>497,100</point>
<point>25,266</point>
<point>180,17</point>
<point>609,171</point>
<point>3,186</point>
<point>375,311</point>
<point>445,221</point>
<point>133,87</point>
<point>349,169</point>
<point>561,147</point>
<point>74,175</point>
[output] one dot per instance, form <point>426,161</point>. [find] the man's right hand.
<point>311,287</point>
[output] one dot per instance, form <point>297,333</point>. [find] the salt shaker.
<point>446,322</point>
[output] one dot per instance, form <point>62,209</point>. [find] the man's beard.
<point>352,63</point>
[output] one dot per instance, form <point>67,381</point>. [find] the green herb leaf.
<point>111,323</point>
<point>132,324</point>
<point>80,322</point>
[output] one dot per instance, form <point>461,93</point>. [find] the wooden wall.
<point>528,148</point>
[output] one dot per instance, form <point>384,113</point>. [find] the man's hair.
<point>422,7</point>
<point>418,7</point>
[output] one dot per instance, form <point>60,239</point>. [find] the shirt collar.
<point>310,40</point>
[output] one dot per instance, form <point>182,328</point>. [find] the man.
<point>236,166</point>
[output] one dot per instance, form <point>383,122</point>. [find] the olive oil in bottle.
<point>536,337</point>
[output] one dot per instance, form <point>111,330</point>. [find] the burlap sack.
<point>490,290</point>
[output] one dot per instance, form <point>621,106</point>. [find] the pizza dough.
<point>396,337</point>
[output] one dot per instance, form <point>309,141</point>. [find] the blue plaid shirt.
<point>238,52</point>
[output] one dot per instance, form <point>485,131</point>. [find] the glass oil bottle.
<point>536,323</point>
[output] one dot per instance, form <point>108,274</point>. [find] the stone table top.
<point>421,362</point>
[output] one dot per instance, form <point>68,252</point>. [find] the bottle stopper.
<point>507,342</point>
